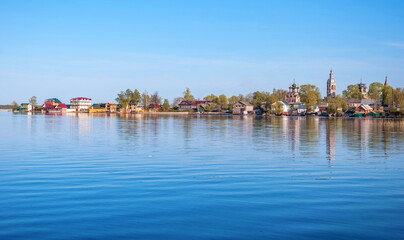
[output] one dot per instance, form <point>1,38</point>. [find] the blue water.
<point>200,177</point>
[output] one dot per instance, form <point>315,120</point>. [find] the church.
<point>331,86</point>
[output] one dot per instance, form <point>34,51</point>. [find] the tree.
<point>123,99</point>
<point>352,91</point>
<point>279,94</point>
<point>212,98</point>
<point>258,98</point>
<point>375,92</point>
<point>398,98</point>
<point>336,104</point>
<point>33,101</point>
<point>15,105</point>
<point>223,102</point>
<point>145,99</point>
<point>166,105</point>
<point>136,97</point>
<point>155,99</point>
<point>278,108</point>
<point>310,95</point>
<point>188,96</point>
<point>387,95</point>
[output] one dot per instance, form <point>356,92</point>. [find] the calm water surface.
<point>200,177</point>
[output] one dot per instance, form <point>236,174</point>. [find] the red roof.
<point>49,105</point>
<point>62,105</point>
<point>81,98</point>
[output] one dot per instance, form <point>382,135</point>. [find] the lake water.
<point>200,177</point>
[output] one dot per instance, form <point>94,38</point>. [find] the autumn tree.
<point>223,102</point>
<point>278,108</point>
<point>212,98</point>
<point>310,95</point>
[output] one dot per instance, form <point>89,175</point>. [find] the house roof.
<point>244,103</point>
<point>80,98</point>
<point>365,107</point>
<point>55,100</point>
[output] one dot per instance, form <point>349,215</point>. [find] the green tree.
<point>188,96</point>
<point>166,105</point>
<point>123,99</point>
<point>136,97</point>
<point>387,95</point>
<point>258,98</point>
<point>33,101</point>
<point>376,92</point>
<point>310,95</point>
<point>337,103</point>
<point>352,91</point>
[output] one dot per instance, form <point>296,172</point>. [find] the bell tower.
<point>331,85</point>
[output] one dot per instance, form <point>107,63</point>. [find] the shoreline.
<point>196,114</point>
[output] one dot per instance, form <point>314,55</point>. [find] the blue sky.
<point>97,48</point>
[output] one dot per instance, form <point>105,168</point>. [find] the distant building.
<point>286,107</point>
<point>363,108</point>
<point>331,85</point>
<point>192,105</point>
<point>293,96</point>
<point>26,107</point>
<point>386,83</point>
<point>241,107</point>
<point>363,89</point>
<point>54,105</point>
<point>80,103</point>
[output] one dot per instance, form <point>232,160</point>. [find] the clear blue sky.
<point>97,48</point>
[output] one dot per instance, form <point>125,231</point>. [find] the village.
<point>379,100</point>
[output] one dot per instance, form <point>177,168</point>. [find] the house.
<point>353,103</point>
<point>26,107</point>
<point>80,103</point>
<point>285,107</point>
<point>322,107</point>
<point>154,107</point>
<point>137,108</point>
<point>242,107</point>
<point>363,109</point>
<point>54,105</point>
<point>301,109</point>
<point>192,105</point>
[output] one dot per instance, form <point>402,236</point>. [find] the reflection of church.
<point>330,139</point>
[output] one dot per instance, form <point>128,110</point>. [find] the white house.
<point>285,107</point>
<point>80,103</point>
